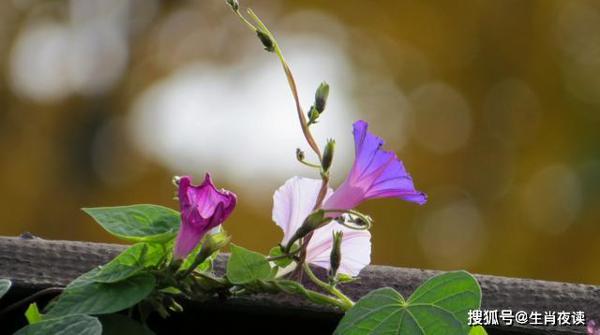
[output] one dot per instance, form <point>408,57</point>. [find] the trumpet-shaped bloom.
<point>293,202</point>
<point>376,173</point>
<point>203,208</point>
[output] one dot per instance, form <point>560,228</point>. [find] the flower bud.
<point>212,243</point>
<point>234,5</point>
<point>321,97</point>
<point>314,221</point>
<point>328,155</point>
<point>313,115</point>
<point>300,154</point>
<point>335,258</point>
<point>266,40</point>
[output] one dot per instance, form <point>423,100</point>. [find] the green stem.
<point>317,166</point>
<point>348,303</point>
<point>250,25</point>
<point>314,296</point>
<point>292,83</point>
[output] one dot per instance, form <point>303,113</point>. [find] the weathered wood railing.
<point>34,264</point>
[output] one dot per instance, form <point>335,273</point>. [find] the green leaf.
<point>117,324</point>
<point>456,292</point>
<point>33,314</point>
<point>477,330</point>
<point>247,266</point>
<point>439,306</point>
<point>77,324</point>
<point>5,285</point>
<point>130,262</point>
<point>282,262</point>
<point>138,223</point>
<point>86,297</point>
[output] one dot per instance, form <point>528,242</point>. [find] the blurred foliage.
<point>494,106</point>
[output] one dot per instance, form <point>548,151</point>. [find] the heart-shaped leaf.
<point>439,306</point>
<point>138,223</point>
<point>245,266</point>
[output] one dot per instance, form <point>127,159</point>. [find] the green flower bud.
<point>211,244</point>
<point>321,97</point>
<point>313,115</point>
<point>328,155</point>
<point>314,221</point>
<point>266,40</point>
<point>234,5</point>
<point>335,258</point>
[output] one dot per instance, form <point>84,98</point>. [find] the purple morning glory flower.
<point>376,173</point>
<point>203,208</point>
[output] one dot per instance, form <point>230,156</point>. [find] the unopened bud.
<point>266,40</point>
<point>299,154</point>
<point>335,258</point>
<point>234,5</point>
<point>314,221</point>
<point>328,155</point>
<point>212,243</point>
<point>313,115</point>
<point>321,97</point>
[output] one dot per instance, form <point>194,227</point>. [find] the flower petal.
<point>187,239</point>
<point>293,202</point>
<point>355,248</point>
<point>376,172</point>
<point>368,156</point>
<point>395,182</point>
<point>204,197</point>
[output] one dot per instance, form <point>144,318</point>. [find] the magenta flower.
<point>592,329</point>
<point>203,208</point>
<point>376,173</point>
<point>293,202</point>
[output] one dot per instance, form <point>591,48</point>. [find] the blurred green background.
<point>494,107</point>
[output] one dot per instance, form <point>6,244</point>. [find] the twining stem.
<point>310,164</point>
<point>301,117</point>
<point>292,83</point>
<point>328,288</point>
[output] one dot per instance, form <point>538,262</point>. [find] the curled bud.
<point>266,40</point>
<point>335,258</point>
<point>321,97</point>
<point>314,221</point>
<point>175,180</point>
<point>300,154</point>
<point>234,5</point>
<point>328,155</point>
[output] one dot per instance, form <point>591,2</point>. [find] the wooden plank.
<point>34,264</point>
